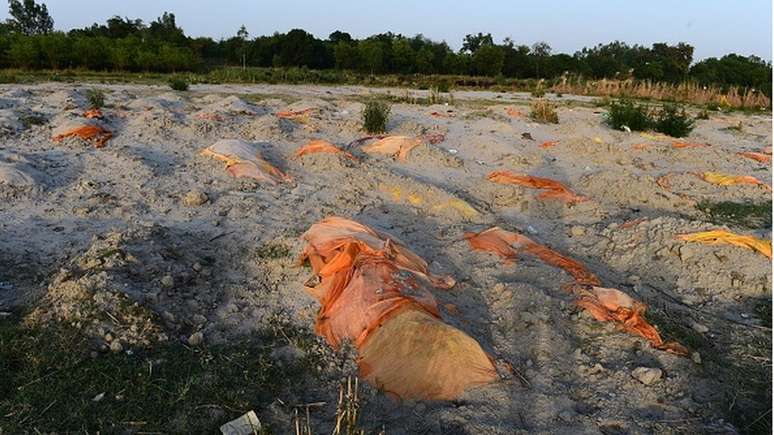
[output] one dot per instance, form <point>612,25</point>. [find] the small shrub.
<point>627,113</point>
<point>703,115</point>
<point>96,98</point>
<point>673,120</point>
<point>543,111</point>
<point>178,84</point>
<point>538,92</point>
<point>442,85</point>
<point>713,106</point>
<point>375,115</point>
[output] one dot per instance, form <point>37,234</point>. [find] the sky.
<point>713,27</point>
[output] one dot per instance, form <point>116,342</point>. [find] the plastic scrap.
<point>760,157</point>
<point>247,424</point>
<point>322,146</point>
<point>552,189</point>
<point>604,304</point>
<point>244,160</point>
<point>99,135</point>
<point>375,292</point>
<point>721,236</point>
<point>396,146</point>
<point>728,180</point>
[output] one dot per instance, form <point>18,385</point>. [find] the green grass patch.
<point>745,215</point>
<point>51,380</point>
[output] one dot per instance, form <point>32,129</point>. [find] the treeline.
<point>124,44</point>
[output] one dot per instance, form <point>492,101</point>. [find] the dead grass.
<point>544,112</point>
<point>693,93</point>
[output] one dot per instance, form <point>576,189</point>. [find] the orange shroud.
<point>321,146</point>
<point>99,135</point>
<point>553,189</point>
<point>375,292</point>
<point>604,304</point>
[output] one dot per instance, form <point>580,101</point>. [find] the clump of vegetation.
<point>704,115</point>
<point>31,119</point>
<point>375,116</point>
<point>626,113</point>
<point>744,215</point>
<point>544,112</point>
<point>538,92</point>
<point>96,98</point>
<point>674,121</point>
<point>178,84</point>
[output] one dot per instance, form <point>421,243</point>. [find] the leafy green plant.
<point>375,116</point>
<point>626,113</point>
<point>178,84</point>
<point>96,98</point>
<point>544,112</point>
<point>674,121</point>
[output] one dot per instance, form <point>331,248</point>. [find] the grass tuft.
<point>375,116</point>
<point>544,112</point>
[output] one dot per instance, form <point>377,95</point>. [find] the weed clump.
<point>375,116</point>
<point>96,98</point>
<point>544,112</point>
<point>674,121</point>
<point>626,113</point>
<point>178,84</point>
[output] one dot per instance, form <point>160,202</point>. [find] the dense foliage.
<point>124,44</point>
<point>670,119</point>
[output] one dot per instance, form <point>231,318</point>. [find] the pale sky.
<point>714,27</point>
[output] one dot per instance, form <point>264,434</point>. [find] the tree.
<point>243,35</point>
<point>472,43</point>
<point>29,18</point>
<point>540,50</point>
<point>488,60</point>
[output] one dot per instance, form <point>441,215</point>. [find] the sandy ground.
<point>225,267</point>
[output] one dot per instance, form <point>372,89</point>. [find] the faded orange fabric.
<point>548,144</point>
<point>94,113</point>
<point>209,117</point>
<point>99,135</point>
<point>396,146</point>
<point>244,160</point>
<point>321,146</point>
<point>760,157</point>
<point>678,144</point>
<point>603,304</point>
<point>289,114</point>
<point>552,189</point>
<point>513,112</point>
<point>375,292</point>
<point>721,236</point>
<point>641,146</point>
<point>728,180</point>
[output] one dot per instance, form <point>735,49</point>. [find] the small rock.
<point>196,339</point>
<point>696,357</point>
<point>647,375</point>
<point>577,231</point>
<point>197,267</point>
<point>98,397</point>
<point>698,327</point>
<point>195,198</point>
<point>167,282</point>
<point>116,346</point>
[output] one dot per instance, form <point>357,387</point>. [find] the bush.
<point>375,115</point>
<point>178,84</point>
<point>543,111</point>
<point>703,115</point>
<point>628,114</point>
<point>96,98</point>
<point>673,120</point>
<point>538,92</point>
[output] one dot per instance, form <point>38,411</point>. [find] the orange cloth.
<point>244,160</point>
<point>548,144</point>
<point>321,146</point>
<point>289,114</point>
<point>603,303</point>
<point>553,189</point>
<point>376,292</point>
<point>396,146</point>
<point>87,132</point>
<point>94,113</point>
<point>721,236</point>
<point>760,157</point>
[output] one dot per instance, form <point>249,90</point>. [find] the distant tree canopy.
<point>27,40</point>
